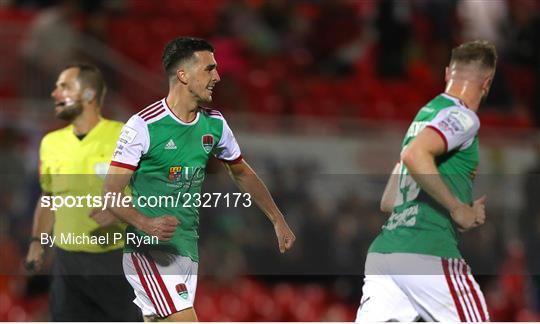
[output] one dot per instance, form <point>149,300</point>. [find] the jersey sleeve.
<point>133,142</point>
<point>457,126</point>
<point>44,169</point>
<point>227,148</point>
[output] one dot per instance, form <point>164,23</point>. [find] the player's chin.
<point>206,99</point>
<point>60,113</point>
<point>67,114</point>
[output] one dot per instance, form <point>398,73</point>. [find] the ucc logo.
<point>186,175</point>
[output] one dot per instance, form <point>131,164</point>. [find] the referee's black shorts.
<point>91,287</point>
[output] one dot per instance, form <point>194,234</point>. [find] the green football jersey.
<point>169,159</point>
<point>419,224</point>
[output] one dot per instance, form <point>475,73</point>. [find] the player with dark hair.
<point>414,269</point>
<point>163,151</point>
<point>88,284</point>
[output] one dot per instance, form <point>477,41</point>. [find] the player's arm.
<point>390,191</point>
<point>43,223</point>
<point>247,180</point>
<point>419,158</point>
<point>115,182</point>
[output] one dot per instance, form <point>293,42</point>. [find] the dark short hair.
<point>90,76</point>
<point>478,51</point>
<point>181,49</point>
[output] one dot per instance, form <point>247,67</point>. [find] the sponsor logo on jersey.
<point>170,145</point>
<point>181,289</point>
<point>127,135</point>
<point>460,121</point>
<point>207,142</point>
<point>175,173</point>
<point>407,218</point>
<point>443,126</point>
<point>184,177</point>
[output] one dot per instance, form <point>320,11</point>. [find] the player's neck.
<point>185,110</point>
<point>86,122</point>
<point>464,92</point>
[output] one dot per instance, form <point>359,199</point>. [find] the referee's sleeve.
<point>132,144</point>
<point>44,168</point>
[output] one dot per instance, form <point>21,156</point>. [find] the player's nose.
<point>54,93</point>
<point>216,77</point>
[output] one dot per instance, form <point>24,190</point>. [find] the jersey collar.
<point>456,100</point>
<point>171,113</point>
<point>89,134</point>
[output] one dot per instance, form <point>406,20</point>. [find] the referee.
<point>88,282</point>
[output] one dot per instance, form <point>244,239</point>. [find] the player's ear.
<point>88,95</point>
<point>181,75</point>
<point>486,84</point>
<point>447,74</point>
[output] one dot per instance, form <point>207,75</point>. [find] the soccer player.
<point>162,152</point>
<point>88,284</point>
<point>414,269</point>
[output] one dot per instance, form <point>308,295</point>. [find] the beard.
<point>204,98</point>
<point>69,113</point>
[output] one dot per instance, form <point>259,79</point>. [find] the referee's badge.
<point>101,169</point>
<point>207,142</point>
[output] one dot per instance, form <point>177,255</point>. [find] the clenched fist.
<point>468,217</point>
<point>284,235</point>
<point>162,227</point>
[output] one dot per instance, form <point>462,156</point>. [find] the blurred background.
<point>319,94</point>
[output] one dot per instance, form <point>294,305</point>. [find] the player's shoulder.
<point>151,113</point>
<point>447,104</point>
<point>461,113</point>
<point>459,118</point>
<point>211,113</point>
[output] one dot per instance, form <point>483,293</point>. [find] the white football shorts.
<point>164,283</point>
<point>408,287</point>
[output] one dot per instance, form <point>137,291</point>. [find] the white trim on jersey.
<point>173,115</point>
<point>457,126</point>
<point>227,148</point>
<point>134,140</point>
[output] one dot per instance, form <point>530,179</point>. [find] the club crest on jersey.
<point>207,142</point>
<point>181,289</point>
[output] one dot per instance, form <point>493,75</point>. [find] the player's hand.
<point>468,217</point>
<point>34,259</point>
<point>284,235</point>
<point>103,217</point>
<point>162,227</point>
<point>479,207</point>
